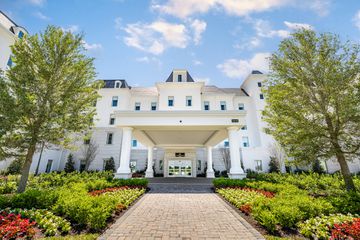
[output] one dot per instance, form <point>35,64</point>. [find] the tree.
<point>277,152</point>
<point>274,166</point>
<point>225,153</point>
<point>110,165</point>
<point>313,106</point>
<point>316,167</point>
<point>15,166</point>
<point>46,96</point>
<point>89,152</point>
<point>70,164</point>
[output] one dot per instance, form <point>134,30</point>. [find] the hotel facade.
<point>177,128</point>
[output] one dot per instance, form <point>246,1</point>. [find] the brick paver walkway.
<point>161,215</point>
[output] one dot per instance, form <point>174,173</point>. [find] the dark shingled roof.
<point>188,77</point>
<point>256,72</point>
<point>111,83</point>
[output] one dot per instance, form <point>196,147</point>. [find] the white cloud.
<point>71,28</point>
<point>187,8</point>
<point>206,80</point>
<point>147,59</point>
<point>249,44</point>
<point>198,27</point>
<point>197,62</point>
<point>118,23</point>
<point>296,26</point>
<point>92,47</point>
<point>41,16</point>
<point>356,19</point>
<point>37,2</point>
<point>264,29</point>
<point>156,36</point>
<point>240,68</point>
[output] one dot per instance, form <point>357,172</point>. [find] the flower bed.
<point>12,226</point>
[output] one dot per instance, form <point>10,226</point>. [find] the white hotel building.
<point>178,128</point>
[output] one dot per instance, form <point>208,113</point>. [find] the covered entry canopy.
<point>179,129</point>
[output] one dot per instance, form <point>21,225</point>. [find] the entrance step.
<point>180,185</point>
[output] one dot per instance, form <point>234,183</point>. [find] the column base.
<point>123,175</point>
<point>237,175</point>
<point>210,174</point>
<point>149,174</point>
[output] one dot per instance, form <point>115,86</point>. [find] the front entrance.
<point>180,168</point>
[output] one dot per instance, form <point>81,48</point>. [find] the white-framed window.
<point>117,84</point>
<point>109,138</point>
<point>115,100</point>
<point>112,121</point>
<point>258,165</point>
<point>137,106</point>
<point>259,84</point>
<point>244,127</point>
<point>188,101</point>
<point>48,166</point>
<point>133,166</point>
<point>134,143</point>
<point>153,106</point>
<point>222,105</point>
<point>241,106</point>
<point>171,101</point>
<point>206,105</point>
<point>261,96</point>
<point>179,78</point>
<point>245,141</point>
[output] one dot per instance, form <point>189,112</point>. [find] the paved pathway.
<point>173,209</point>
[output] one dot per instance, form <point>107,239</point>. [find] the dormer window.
<point>117,84</point>
<point>179,78</point>
<point>21,34</point>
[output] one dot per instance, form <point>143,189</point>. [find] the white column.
<point>124,169</point>
<point>149,170</point>
<point>235,171</point>
<point>210,170</point>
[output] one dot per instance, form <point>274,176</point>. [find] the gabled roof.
<point>111,83</point>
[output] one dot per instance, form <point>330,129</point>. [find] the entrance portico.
<point>180,133</point>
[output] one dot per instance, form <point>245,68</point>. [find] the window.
<point>21,34</point>
<point>133,166</point>
<point>10,62</point>
<point>112,121</point>
<point>153,106</point>
<point>171,101</point>
<point>245,141</point>
<point>188,101</point>
<point>179,78</point>
<point>114,101</point>
<point>258,165</point>
<point>117,85</point>
<point>137,106</point>
<point>223,105</point>
<point>48,166</point>
<point>199,165</point>
<point>226,144</point>
<point>109,138</point>
<point>261,96</point>
<point>259,84</point>
<point>206,106</point>
<point>161,165</point>
<point>241,106</point>
<point>134,143</point>
<point>87,141</point>
<point>244,127</point>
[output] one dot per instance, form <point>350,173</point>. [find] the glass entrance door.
<point>180,168</point>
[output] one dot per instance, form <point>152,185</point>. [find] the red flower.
<point>347,230</point>
<point>263,192</point>
<point>14,227</point>
<point>246,208</point>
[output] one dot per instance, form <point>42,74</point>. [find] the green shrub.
<point>15,166</point>
<point>226,182</point>
<point>267,219</point>
<point>33,198</point>
<point>70,164</point>
<point>7,187</point>
<point>132,182</point>
<point>5,201</point>
<point>348,202</point>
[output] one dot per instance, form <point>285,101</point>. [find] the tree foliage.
<point>274,165</point>
<point>110,165</point>
<point>313,95</point>
<point>47,95</point>
<point>70,164</point>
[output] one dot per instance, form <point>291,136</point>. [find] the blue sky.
<point>218,41</point>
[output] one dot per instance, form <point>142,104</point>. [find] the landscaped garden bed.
<point>60,204</point>
<point>303,205</point>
